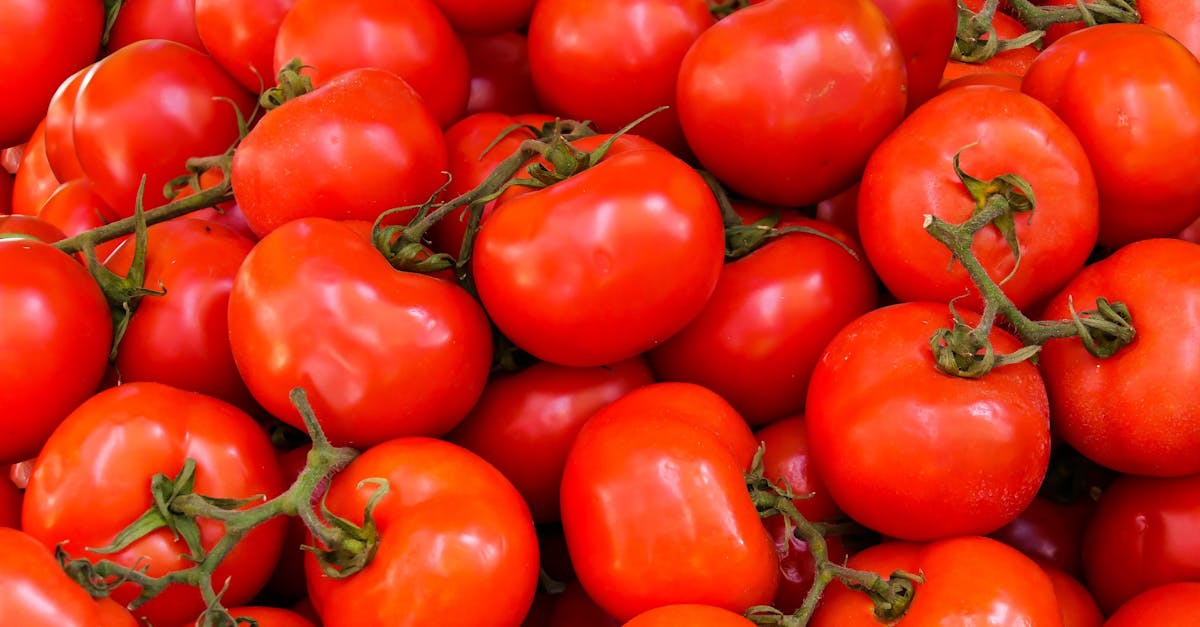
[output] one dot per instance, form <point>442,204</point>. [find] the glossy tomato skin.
<point>579,282</point>
<point>501,79</point>
<point>57,333</point>
<point>414,40</point>
<point>1133,118</point>
<point>524,423</point>
<point>1078,607</point>
<point>954,592</point>
<point>35,180</point>
<point>925,31</point>
<point>60,128</point>
<point>240,35</point>
<point>435,558</point>
<point>359,145</point>
<point>612,63</point>
<point>990,437</point>
<point>694,615</point>
<point>1142,536</point>
<point>135,431</point>
<point>808,90</point>
<point>382,353</point>
<point>34,590</point>
<point>74,207</point>
<point>996,131</point>
<point>119,137</point>
<point>686,531</point>
<point>486,17</point>
<point>182,337</point>
<point>1179,18</point>
<point>138,20</point>
<point>1156,279</point>
<point>46,41</point>
<point>1170,604</point>
<point>29,225</point>
<point>761,333</point>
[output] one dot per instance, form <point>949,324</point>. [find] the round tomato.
<point>240,35</point>
<point>134,432</point>
<point>1171,604</point>
<point>60,129</point>
<point>435,556</point>
<point>873,430</point>
<point>694,615</point>
<point>808,89</point>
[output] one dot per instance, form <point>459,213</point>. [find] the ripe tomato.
<point>997,131</point>
<point>74,207</point>
<point>45,42</point>
<point>174,20</point>
<point>585,278</point>
<point>486,17</point>
<point>1016,61</point>
<point>34,590</point>
<point>435,557</point>
<point>990,436</point>
<point>1180,19</point>
<point>501,79</point>
<point>1142,535</point>
<point>1014,591</point>
<point>1134,118</point>
<point>694,615</point>
<point>240,35</point>
<point>35,181</point>
<point>29,225</point>
<point>383,353</point>
<point>807,89</point>
<point>135,431</point>
<point>119,133</point>
<point>414,40</point>
<point>60,129</point>
<point>1170,604</point>
<point>685,530</point>
<point>1156,279</point>
<point>925,31</point>
<point>1078,607</point>
<point>359,145</point>
<point>56,333</point>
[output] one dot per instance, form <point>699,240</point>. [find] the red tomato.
<point>581,278</point>
<point>1014,592</point>
<point>1078,607</point>
<point>574,608</point>
<point>135,431</point>
<point>383,353</point>
<point>787,458</point>
<point>182,337</point>
<point>74,208</point>
<point>693,615</point>
<point>1179,18</point>
<point>992,442</point>
<point>60,129</point>
<point>1050,533</point>
<point>1135,118</point>
<point>1171,604</point>
<point>414,41</point>
<point>612,63</point>
<point>34,590</point>
<point>1156,279</point>
<point>35,181</point>
<point>841,211</point>
<point>996,131</point>
<point>174,20</point>
<point>56,333</point>
<point>1016,61</point>
<point>796,568</point>
<point>1001,79</point>
<point>1142,535</point>
<point>45,42</point>
<point>10,503</point>
<point>357,146</point>
<point>807,89</point>
<point>435,556</point>
<point>925,31</point>
<point>240,35</point>
<point>264,617</point>
<point>119,132</point>
<point>501,79</point>
<point>772,313</point>
<point>524,423</point>
<point>486,17</point>
<point>685,530</point>
<point>29,225</point>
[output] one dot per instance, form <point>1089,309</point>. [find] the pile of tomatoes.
<point>563,313</point>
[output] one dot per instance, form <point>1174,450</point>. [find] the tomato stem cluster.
<point>977,40</point>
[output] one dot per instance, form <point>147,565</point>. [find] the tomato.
<point>29,225</point>
<point>1134,119</point>
<point>841,211</point>
<point>996,131</point>
<point>1014,591</point>
<point>265,617</point>
<point>35,181</point>
<point>1170,604</point>
<point>174,20</point>
<point>10,503</point>
<point>435,557</point>
<point>60,129</point>
<point>808,90</point>
<point>240,35</point>
<point>1142,535</point>
<point>501,79</point>
<point>925,32</point>
<point>612,63</point>
<point>1050,533</point>
<point>119,137</point>
<point>56,335</point>
<point>357,146</point>
<point>574,608</point>
<point>1001,79</point>
<point>415,41</point>
<point>760,334</point>
<point>524,423</point>
<point>34,590</point>
<point>1016,61</point>
<point>1155,279</point>
<point>787,458</point>
<point>45,42</point>
<point>581,279</point>
<point>992,442</point>
<point>382,353</point>
<point>182,337</point>
<point>1180,20</point>
<point>1078,607</point>
<point>74,208</point>
<point>694,615</point>
<point>135,431</point>
<point>796,568</point>
<point>685,530</point>
<point>486,17</point>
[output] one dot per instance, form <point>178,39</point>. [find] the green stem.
<point>1036,17</point>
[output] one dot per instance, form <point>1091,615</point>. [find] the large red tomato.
<point>134,432</point>
<point>1170,604</point>
<point>916,454</point>
<point>240,35</point>
<point>807,89</point>
<point>455,539</point>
